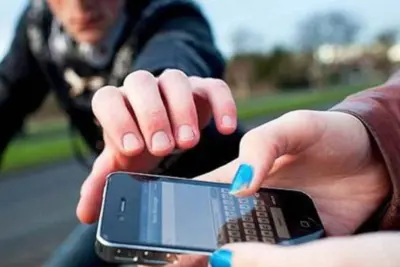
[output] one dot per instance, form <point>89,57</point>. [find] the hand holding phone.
<point>150,219</point>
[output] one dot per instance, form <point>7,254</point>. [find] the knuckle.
<point>141,77</point>
<point>154,119</point>
<point>195,79</point>
<point>257,139</point>
<point>229,106</point>
<point>182,110</point>
<point>172,74</point>
<point>251,137</point>
<point>186,114</point>
<point>103,96</point>
<point>196,82</point>
<point>300,116</point>
<point>217,83</point>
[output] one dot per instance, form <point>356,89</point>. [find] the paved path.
<point>37,211</point>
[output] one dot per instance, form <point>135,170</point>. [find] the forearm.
<point>15,106</point>
<point>379,109</point>
<point>11,123</point>
<point>22,85</point>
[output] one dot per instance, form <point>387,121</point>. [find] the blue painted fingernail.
<point>243,178</point>
<point>221,258</point>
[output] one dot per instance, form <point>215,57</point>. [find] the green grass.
<point>264,105</point>
<point>50,126</point>
<point>29,153</point>
<point>25,154</point>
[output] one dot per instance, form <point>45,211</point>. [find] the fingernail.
<point>242,179</point>
<point>227,121</point>
<point>185,133</point>
<point>221,258</point>
<point>160,141</point>
<point>130,142</point>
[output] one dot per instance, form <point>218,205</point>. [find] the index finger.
<point>89,205</point>
<point>262,146</point>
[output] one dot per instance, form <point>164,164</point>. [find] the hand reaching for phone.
<point>146,119</point>
<point>328,155</point>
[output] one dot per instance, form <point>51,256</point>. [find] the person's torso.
<point>76,71</point>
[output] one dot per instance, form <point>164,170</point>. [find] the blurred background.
<point>281,55</point>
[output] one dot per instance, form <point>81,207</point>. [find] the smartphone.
<point>151,219</point>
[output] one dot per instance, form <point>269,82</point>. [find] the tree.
<point>387,37</point>
<point>245,41</point>
<point>326,28</point>
<point>334,27</point>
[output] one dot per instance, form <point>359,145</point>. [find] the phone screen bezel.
<point>300,201</point>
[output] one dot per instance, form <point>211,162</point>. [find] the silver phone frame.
<point>142,248</point>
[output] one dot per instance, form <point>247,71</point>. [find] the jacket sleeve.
<point>175,34</point>
<point>379,109</point>
<point>22,85</point>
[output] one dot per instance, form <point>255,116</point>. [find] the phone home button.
<point>305,224</point>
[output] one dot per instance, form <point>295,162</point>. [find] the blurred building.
<point>394,54</point>
<point>357,63</point>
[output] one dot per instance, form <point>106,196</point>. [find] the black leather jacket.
<point>154,35</point>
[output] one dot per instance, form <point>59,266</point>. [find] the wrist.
<point>394,79</point>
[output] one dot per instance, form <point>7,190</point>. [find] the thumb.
<point>368,250</point>
<point>92,189</point>
<point>262,146</point>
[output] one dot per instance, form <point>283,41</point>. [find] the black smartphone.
<point>150,219</point>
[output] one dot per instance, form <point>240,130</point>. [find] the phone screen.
<point>190,215</point>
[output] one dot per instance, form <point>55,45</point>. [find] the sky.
<point>275,22</point>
